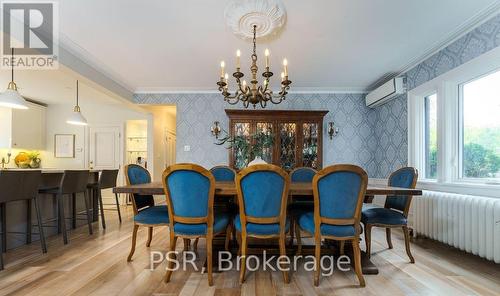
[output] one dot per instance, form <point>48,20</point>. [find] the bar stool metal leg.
<point>103,221</point>
<point>87,208</point>
<point>118,207</point>
<point>2,238</point>
<point>73,210</point>
<point>28,222</point>
<point>3,230</point>
<point>40,226</point>
<point>62,218</point>
<point>58,214</point>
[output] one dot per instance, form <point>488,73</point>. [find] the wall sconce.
<point>332,130</point>
<point>215,129</point>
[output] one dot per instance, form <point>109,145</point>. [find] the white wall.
<point>164,119</point>
<point>96,114</point>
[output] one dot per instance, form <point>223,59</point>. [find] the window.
<point>454,128</point>
<point>480,128</point>
<point>430,105</point>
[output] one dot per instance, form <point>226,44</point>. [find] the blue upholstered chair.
<point>223,173</point>
<point>262,197</point>
<point>339,191</point>
<point>190,189</point>
<point>395,212</point>
<point>300,203</point>
<point>145,212</point>
<point>302,175</point>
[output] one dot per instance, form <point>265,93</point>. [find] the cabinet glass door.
<point>241,131</point>
<point>264,136</point>
<point>288,143</point>
<point>310,145</point>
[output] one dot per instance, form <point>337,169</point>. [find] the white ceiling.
<point>159,45</point>
<point>56,87</point>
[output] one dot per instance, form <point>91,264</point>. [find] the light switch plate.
<point>187,148</point>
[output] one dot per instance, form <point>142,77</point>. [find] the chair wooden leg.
<point>99,201</point>
<point>118,207</point>
<point>195,245</point>
<point>87,210</point>
<point>238,239</point>
<point>342,247</point>
<point>62,218</point>
<point>292,231</point>
<point>283,253</point>
<point>299,240</point>
<point>134,239</point>
<point>209,259</point>
<point>388,237</point>
<point>357,262</point>
<point>40,226</point>
<point>173,242</point>
<point>407,243</point>
<point>317,256</point>
<point>368,237</point>
<point>150,236</point>
<point>187,244</point>
<point>243,257</point>
<point>228,236</point>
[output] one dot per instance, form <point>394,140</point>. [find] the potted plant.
<point>246,148</point>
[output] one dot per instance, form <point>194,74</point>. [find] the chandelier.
<point>253,94</point>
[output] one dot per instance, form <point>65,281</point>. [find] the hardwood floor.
<point>96,265</point>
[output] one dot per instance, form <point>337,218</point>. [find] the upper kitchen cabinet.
<point>23,129</point>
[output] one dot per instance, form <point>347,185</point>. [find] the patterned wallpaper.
<point>391,128</point>
<point>196,112</point>
<point>375,139</point>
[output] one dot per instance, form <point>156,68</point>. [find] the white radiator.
<point>469,223</point>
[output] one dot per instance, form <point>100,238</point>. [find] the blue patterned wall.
<point>375,139</point>
<point>391,127</point>
<point>196,113</point>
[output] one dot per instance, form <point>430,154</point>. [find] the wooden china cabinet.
<point>298,136</point>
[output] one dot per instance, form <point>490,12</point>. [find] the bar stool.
<point>19,186</point>
<point>72,183</point>
<point>107,180</point>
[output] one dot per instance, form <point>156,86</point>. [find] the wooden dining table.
<point>228,188</point>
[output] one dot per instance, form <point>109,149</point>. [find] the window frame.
<point>449,126</point>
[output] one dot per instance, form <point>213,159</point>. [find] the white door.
<point>105,153</point>
<point>105,147</point>
<point>169,148</point>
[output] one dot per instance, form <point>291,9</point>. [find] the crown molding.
<point>475,21</point>
<point>296,90</point>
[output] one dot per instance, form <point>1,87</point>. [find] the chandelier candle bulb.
<point>285,67</point>
<point>266,53</point>
<point>282,76</point>
<point>222,66</point>
<point>238,55</point>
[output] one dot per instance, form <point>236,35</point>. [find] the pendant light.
<point>77,118</point>
<point>10,97</point>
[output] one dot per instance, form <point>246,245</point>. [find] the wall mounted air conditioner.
<point>385,92</point>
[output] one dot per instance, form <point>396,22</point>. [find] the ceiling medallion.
<point>242,15</point>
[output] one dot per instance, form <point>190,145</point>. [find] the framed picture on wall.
<point>64,146</point>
